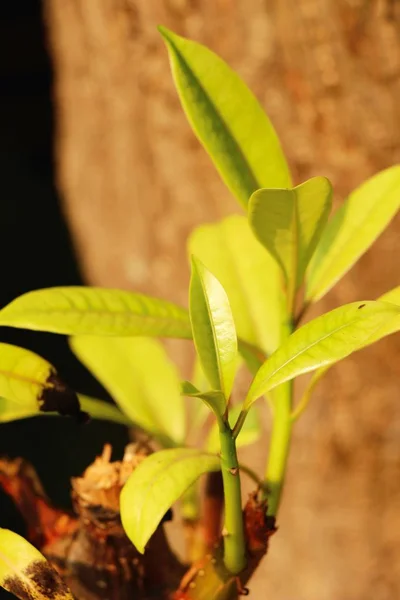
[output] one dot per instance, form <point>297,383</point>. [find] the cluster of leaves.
<point>249,273</point>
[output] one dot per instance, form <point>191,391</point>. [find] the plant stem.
<point>279,448</point>
<point>233,532</point>
<point>282,399</point>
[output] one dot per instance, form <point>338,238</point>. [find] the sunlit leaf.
<point>158,482</point>
<point>249,433</point>
<point>96,409</point>
<point>90,310</point>
<point>213,328</point>
<point>213,399</point>
<point>390,326</point>
<point>250,277</point>
<point>227,119</point>
<point>140,378</point>
<point>26,573</point>
<point>352,230</point>
<point>31,382</point>
<point>289,223</point>
<point>323,341</point>
<point>103,411</point>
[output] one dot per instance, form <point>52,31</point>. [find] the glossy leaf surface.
<point>140,378</point>
<point>389,327</point>
<point>154,486</point>
<point>352,230</point>
<point>213,328</point>
<point>99,311</point>
<point>227,119</point>
<point>250,276</point>
<point>323,341</point>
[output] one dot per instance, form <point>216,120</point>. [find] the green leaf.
<point>32,383</point>
<point>392,296</point>
<point>155,485</point>
<point>289,224</point>
<point>227,119</point>
<point>389,327</point>
<point>352,230</point>
<point>97,409</point>
<point>89,310</point>
<point>140,378</point>
<point>249,275</point>
<point>323,341</point>
<point>103,411</point>
<point>250,432</point>
<point>26,573</point>
<point>213,328</point>
<point>213,399</point>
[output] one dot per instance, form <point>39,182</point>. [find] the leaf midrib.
<point>321,339</point>
<point>217,116</point>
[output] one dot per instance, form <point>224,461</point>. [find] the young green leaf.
<point>352,230</point>
<point>25,572</point>
<point>155,485</point>
<point>226,118</point>
<point>214,399</point>
<point>390,326</point>
<point>391,296</point>
<point>31,382</point>
<point>90,310</point>
<point>96,409</point>
<point>213,328</point>
<point>103,411</point>
<point>249,275</point>
<point>289,224</point>
<point>141,379</point>
<point>250,432</point>
<point>323,341</point>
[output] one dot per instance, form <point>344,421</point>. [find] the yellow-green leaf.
<point>289,223</point>
<point>103,411</point>
<point>249,275</point>
<point>213,399</point>
<point>26,573</point>
<point>213,328</point>
<point>140,378</point>
<point>90,310</point>
<point>352,230</point>
<point>96,409</point>
<point>32,383</point>
<point>158,482</point>
<point>323,341</point>
<point>227,119</point>
<point>390,326</point>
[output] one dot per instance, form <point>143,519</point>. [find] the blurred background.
<point>102,181</point>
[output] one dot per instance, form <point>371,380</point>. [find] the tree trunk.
<point>135,182</point>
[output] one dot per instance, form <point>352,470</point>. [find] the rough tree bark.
<point>135,182</point>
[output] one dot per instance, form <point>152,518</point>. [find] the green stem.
<point>282,400</point>
<point>233,532</point>
<point>279,448</point>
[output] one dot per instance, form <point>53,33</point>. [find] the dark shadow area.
<point>36,252</point>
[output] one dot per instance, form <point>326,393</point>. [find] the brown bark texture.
<point>135,182</point>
